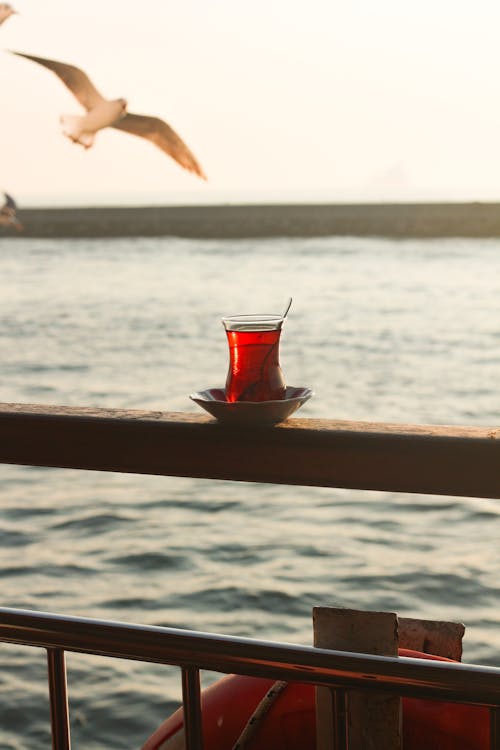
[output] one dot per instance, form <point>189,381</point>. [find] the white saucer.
<point>214,401</point>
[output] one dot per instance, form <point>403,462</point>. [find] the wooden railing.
<point>438,460</point>
<point>462,461</point>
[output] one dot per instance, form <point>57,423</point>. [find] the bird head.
<point>118,109</point>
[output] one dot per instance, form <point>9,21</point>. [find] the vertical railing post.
<point>495,728</point>
<point>340,713</point>
<point>58,694</point>
<point>191,700</point>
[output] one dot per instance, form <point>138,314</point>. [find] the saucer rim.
<point>199,397</point>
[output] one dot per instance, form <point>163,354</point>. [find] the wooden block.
<point>373,719</point>
<point>432,637</point>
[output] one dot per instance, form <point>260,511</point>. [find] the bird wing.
<point>163,136</point>
<point>75,79</point>
<point>9,202</point>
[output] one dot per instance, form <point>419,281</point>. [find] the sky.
<point>341,100</point>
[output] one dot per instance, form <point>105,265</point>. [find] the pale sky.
<point>336,99</point>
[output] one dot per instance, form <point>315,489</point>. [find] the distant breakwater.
<point>404,220</point>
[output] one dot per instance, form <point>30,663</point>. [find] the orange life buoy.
<point>290,722</point>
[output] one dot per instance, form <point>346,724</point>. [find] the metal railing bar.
<point>191,701</point>
<point>429,459</point>
<point>463,683</point>
<point>58,697</point>
<point>495,729</point>
<point>339,698</point>
<point>331,719</point>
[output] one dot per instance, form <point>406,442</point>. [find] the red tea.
<point>254,369</point>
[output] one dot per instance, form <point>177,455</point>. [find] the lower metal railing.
<point>193,651</point>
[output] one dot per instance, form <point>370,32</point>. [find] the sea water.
<point>381,330</point>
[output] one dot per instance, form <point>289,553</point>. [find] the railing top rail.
<point>443,460</point>
<point>411,677</point>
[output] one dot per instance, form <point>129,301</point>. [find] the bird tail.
<point>72,128</point>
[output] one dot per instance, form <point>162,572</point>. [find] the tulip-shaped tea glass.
<point>254,370</point>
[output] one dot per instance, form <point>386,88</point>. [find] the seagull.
<point>102,113</point>
<point>8,216</point>
<point>6,10</point>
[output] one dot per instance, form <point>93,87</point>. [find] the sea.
<point>401,331</point>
